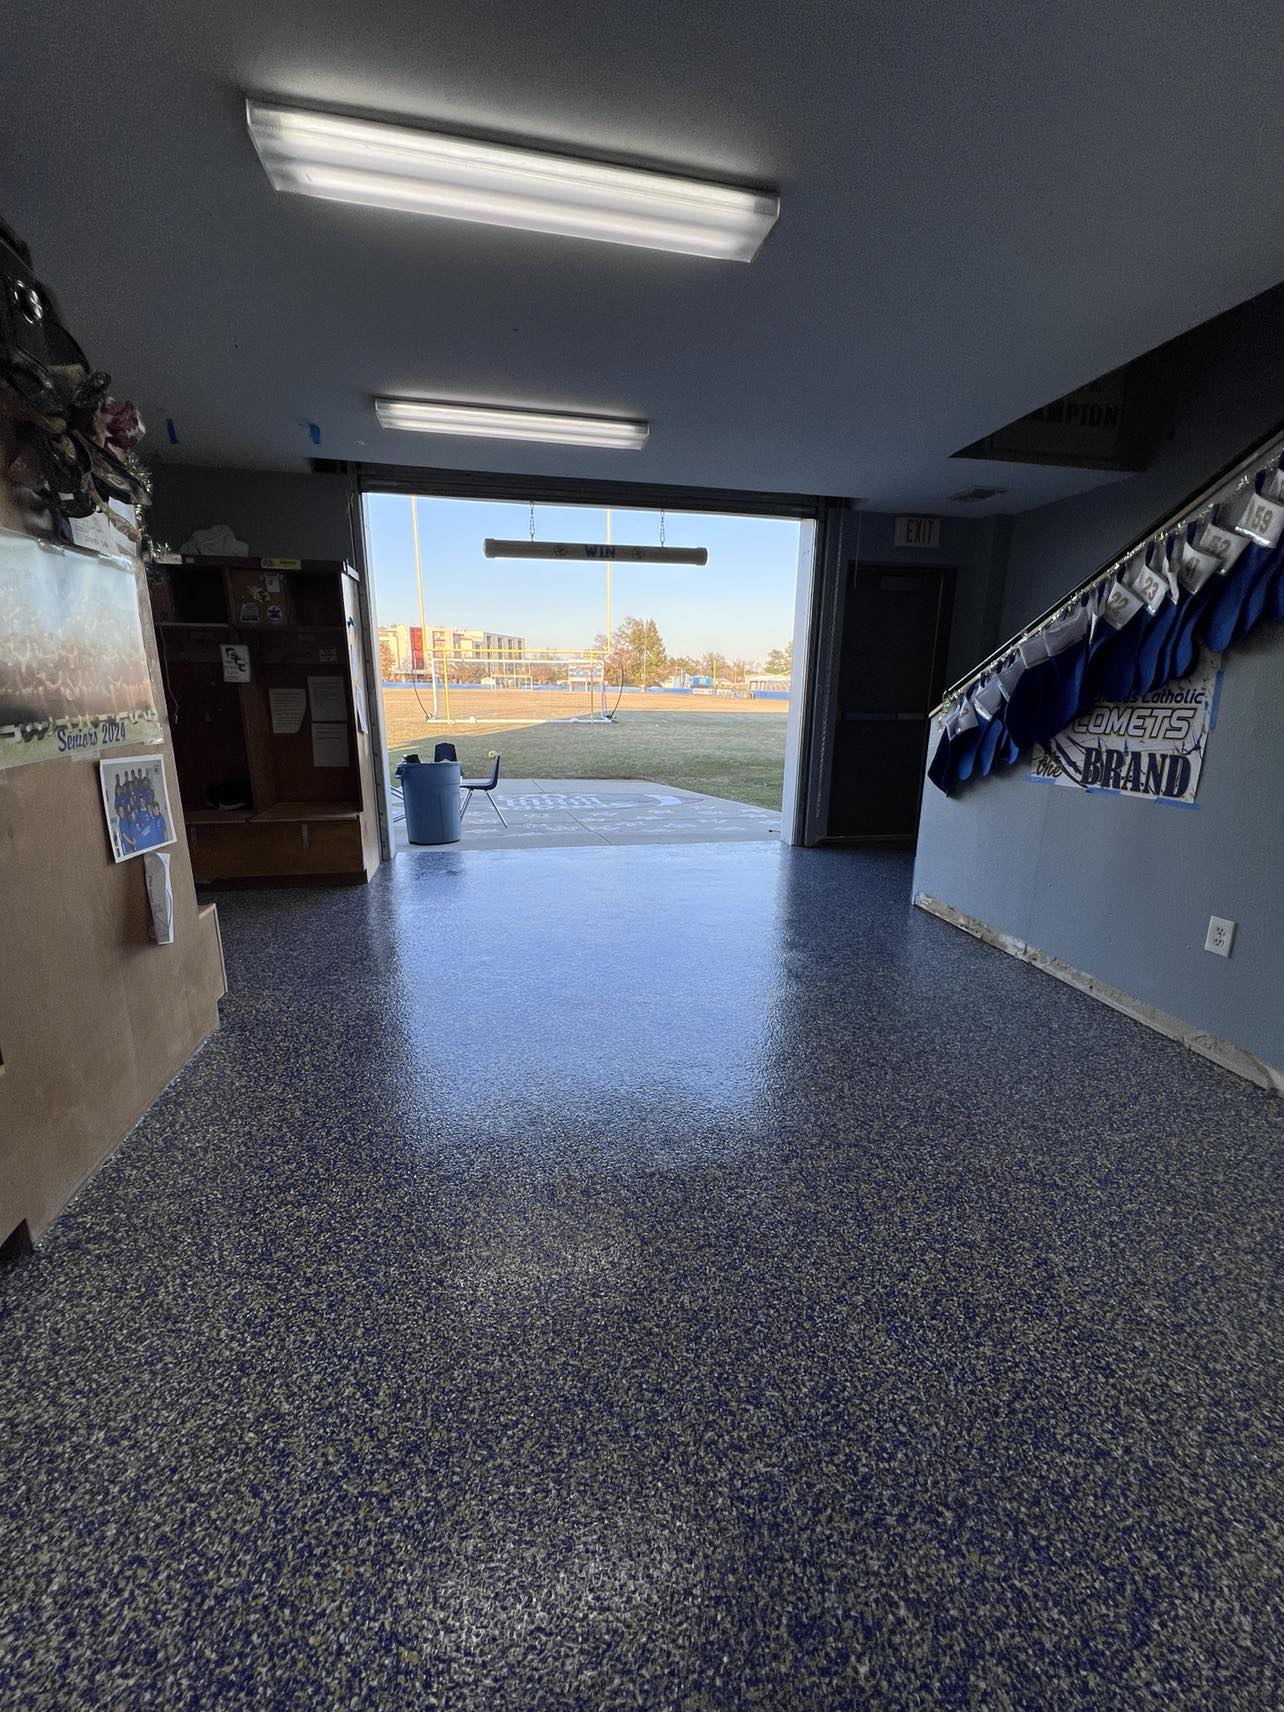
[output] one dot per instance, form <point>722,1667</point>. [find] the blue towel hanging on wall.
<point>1113,666</point>
<point>995,732</point>
<point>1223,615</point>
<point>939,767</point>
<point>963,753</point>
<point>1257,600</point>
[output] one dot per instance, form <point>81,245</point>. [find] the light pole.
<point>608,582</point>
<point>425,640</point>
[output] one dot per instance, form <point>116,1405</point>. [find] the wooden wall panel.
<point>95,1018</point>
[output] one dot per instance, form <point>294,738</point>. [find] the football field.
<point>727,748</point>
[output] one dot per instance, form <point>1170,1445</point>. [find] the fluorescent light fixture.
<point>427,416</point>
<point>612,553</point>
<point>497,184</point>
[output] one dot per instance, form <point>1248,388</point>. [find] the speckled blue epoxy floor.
<point>653,1278</point>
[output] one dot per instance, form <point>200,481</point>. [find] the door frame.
<point>854,566</point>
<point>818,557</point>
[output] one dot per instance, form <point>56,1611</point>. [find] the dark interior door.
<point>891,675</point>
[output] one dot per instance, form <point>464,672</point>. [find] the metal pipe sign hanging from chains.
<point>595,551</point>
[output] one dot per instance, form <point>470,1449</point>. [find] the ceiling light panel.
<point>496,184</point>
<point>427,416</point>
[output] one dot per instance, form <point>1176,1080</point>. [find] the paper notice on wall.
<point>358,692</point>
<point>326,699</point>
<point>95,532</point>
<point>330,743</point>
<point>160,895</point>
<point>287,708</point>
<point>236,663</point>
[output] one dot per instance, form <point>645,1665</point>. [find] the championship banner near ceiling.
<point>1151,749</point>
<point>74,678</point>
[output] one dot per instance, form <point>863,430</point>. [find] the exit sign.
<point>917,532</point>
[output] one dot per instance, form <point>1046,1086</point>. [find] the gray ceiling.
<point>983,207</point>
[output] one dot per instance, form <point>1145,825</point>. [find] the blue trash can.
<point>430,791</point>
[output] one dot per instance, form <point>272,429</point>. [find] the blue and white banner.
<point>1151,749</point>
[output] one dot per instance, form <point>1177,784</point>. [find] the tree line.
<point>636,656</point>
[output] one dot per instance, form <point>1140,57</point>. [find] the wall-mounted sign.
<point>236,663</point>
<point>1088,427</point>
<point>1151,749</point>
<point>1086,423</point>
<point>917,532</point>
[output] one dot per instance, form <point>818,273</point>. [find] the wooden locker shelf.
<point>310,811</point>
<point>305,822</point>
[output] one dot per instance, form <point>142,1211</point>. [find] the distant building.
<point>488,648</point>
<point>401,649</point>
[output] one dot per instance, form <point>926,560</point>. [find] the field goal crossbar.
<point>552,685</point>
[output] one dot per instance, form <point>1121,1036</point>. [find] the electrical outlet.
<point>1221,936</point>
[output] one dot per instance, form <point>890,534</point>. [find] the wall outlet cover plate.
<point>1220,937</point>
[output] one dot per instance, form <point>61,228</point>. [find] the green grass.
<point>736,755</point>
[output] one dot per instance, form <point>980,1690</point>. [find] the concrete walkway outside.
<point>547,814</point>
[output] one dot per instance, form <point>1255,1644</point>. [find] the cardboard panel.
<point>95,1019</point>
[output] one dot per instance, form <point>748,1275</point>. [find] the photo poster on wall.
<point>136,803</point>
<point>73,661</point>
<point>1151,749</point>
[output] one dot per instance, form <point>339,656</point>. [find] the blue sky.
<point>741,603</point>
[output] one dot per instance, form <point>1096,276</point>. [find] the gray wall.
<point>1123,890</point>
<point>1217,390</point>
<point>976,548</point>
<point>279,515</point>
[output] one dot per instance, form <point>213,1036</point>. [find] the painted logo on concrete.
<point>625,800</point>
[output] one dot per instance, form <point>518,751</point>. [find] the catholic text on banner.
<point>1151,749</point>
